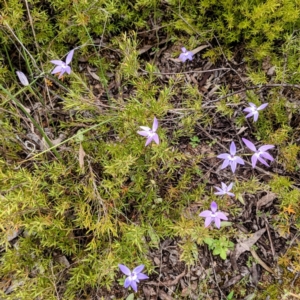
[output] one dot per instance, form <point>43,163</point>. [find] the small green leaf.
<point>230,296</point>
<point>130,297</point>
<point>208,241</point>
<point>226,224</point>
<point>223,254</point>
<point>240,198</point>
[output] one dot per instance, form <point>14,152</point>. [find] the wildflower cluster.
<point>231,159</point>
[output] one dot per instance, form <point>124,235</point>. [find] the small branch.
<point>167,283</point>
<point>186,72</point>
<point>262,263</point>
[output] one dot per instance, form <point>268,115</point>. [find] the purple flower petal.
<point>248,109</point>
<point>143,133</point>
<point>155,125</point>
<point>250,115</point>
<point>22,77</point>
<point>225,163</point>
<point>182,57</point>
<point>255,116</point>
<point>239,160</point>
<point>205,213</point>
<point>149,140</point>
<point>68,70</point>
<point>249,144</point>
<point>267,156</point>
<point>214,206</point>
<point>124,270</point>
<point>134,285</point>
<point>229,187</point>
<point>263,161</point>
<point>127,282</point>
<point>254,160</point>
<point>232,148</point>
<point>220,191</point>
<point>145,128</point>
<point>224,186</point>
<point>265,148</point>
<point>142,276</point>
<point>223,156</point>
<point>218,222</point>
<point>56,70</point>
<point>62,72</point>
<point>69,57</point>
<point>156,138</point>
<point>233,166</point>
<point>207,221</point>
<point>138,269</point>
<point>221,215</point>
<point>57,62</point>
<point>263,106</point>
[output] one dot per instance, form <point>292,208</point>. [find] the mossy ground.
<point>79,191</point>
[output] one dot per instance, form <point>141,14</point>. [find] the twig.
<point>256,87</point>
<point>169,282</point>
<point>185,72</point>
<point>215,275</point>
<point>270,239</point>
<point>262,263</point>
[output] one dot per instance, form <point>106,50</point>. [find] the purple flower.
<point>63,67</point>
<point>134,277</point>
<point>225,190</point>
<point>260,153</point>
<point>231,159</point>
<point>185,55</point>
<point>149,133</point>
<point>213,215</point>
<point>253,110</point>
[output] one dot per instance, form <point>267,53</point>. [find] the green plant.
<point>194,141</point>
<point>219,246</point>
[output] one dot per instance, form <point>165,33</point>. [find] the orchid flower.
<point>186,55</point>
<point>231,159</point>
<point>253,110</point>
<point>225,190</point>
<point>213,215</point>
<point>134,277</point>
<point>63,67</point>
<point>260,153</point>
<point>149,133</point>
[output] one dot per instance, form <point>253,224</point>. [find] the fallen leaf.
<point>242,129</point>
<point>246,244</point>
<point>164,296</point>
<point>94,75</point>
<point>266,199</point>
